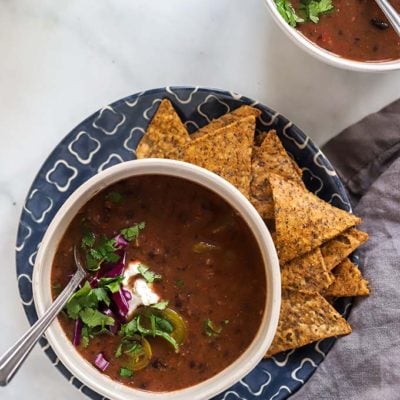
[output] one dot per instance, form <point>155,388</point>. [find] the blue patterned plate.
<point>110,136</point>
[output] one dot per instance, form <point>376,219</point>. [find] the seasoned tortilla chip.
<point>259,138</point>
<point>306,273</point>
<point>348,281</point>
<point>305,318</point>
<point>227,119</point>
<point>269,157</point>
<point>302,220</point>
<point>165,134</point>
<point>226,152</point>
<point>338,248</point>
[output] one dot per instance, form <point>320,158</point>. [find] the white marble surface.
<point>60,61</point>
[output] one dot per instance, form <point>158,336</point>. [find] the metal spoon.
<point>391,14</point>
<point>16,355</point>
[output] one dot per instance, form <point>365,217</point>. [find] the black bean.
<point>379,24</point>
<point>158,364</point>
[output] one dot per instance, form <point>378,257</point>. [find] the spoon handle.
<point>391,14</point>
<point>15,356</point>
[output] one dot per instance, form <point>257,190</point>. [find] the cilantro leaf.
<point>85,336</point>
<point>148,275</point>
<point>93,318</point>
<point>161,305</point>
<point>104,252</point>
<point>314,8</point>
<point>112,284</point>
<point>88,239</point>
<point>163,324</point>
<point>157,332</point>
<point>287,12</point>
<point>132,232</point>
<point>159,327</point>
<point>130,328</point>
<point>102,295</point>
<point>211,329</point>
<point>125,372</point>
<point>168,338</point>
<point>84,297</point>
<point>115,197</point>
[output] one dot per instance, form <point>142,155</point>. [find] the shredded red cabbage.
<point>121,242</point>
<point>121,304</point>
<point>76,340</point>
<point>101,363</point>
<point>127,294</point>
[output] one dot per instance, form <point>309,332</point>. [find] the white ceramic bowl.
<point>64,349</point>
<point>325,55</point>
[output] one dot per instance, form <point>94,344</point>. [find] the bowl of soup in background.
<point>258,344</point>
<point>346,38</point>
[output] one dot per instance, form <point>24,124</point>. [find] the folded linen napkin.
<point>366,364</point>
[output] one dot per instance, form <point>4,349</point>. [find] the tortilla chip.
<point>338,248</point>
<point>259,138</point>
<point>269,157</point>
<point>305,318</point>
<point>226,152</point>
<point>306,273</point>
<point>165,135</point>
<point>302,220</point>
<point>348,281</point>
<point>227,119</point>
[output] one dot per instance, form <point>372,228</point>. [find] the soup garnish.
<point>171,272</point>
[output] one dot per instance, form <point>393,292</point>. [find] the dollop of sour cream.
<point>142,292</point>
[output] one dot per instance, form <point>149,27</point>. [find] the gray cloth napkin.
<point>366,364</point>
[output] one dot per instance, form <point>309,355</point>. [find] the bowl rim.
<point>325,55</point>
<point>82,369</point>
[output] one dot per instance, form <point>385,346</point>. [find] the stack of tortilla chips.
<point>313,239</point>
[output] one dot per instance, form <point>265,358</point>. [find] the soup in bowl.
<point>351,34</point>
<point>182,292</point>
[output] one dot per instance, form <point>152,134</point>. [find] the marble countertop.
<point>61,61</point>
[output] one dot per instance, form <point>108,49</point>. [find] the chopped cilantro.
<point>134,349</point>
<point>112,284</point>
<point>287,12</point>
<point>102,295</point>
<point>148,275</point>
<point>84,297</point>
<point>130,328</point>
<point>125,373</point>
<point>158,327</point>
<point>211,329</point>
<point>114,197</point>
<point>93,318</point>
<point>310,10</point>
<point>314,8</point>
<point>106,250</point>
<point>133,232</point>
<point>88,239</point>
<point>85,336</point>
<point>161,305</point>
<point>163,325</point>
